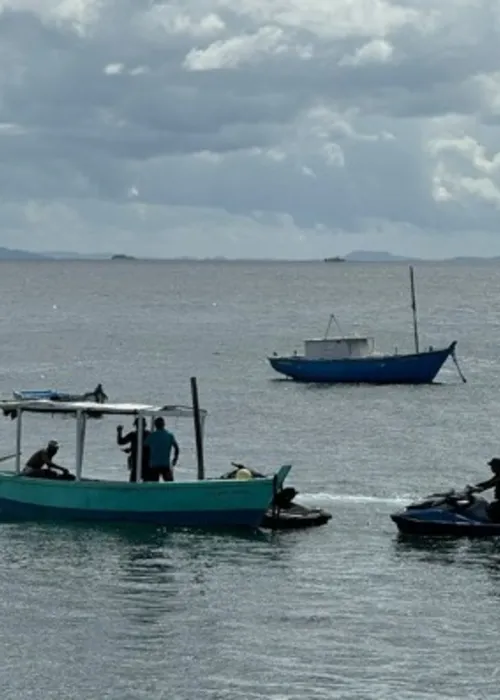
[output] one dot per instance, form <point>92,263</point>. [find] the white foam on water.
<point>325,498</point>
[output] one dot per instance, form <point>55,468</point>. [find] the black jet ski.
<point>284,514</point>
<point>454,513</point>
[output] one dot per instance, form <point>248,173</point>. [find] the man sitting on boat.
<point>161,442</point>
<point>40,465</point>
<point>132,439</point>
<point>492,482</point>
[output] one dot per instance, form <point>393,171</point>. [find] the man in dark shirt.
<point>131,439</point>
<point>492,482</point>
<point>161,444</point>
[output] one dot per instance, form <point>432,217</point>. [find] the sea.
<point>349,610</point>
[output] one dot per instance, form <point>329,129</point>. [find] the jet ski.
<point>454,513</point>
<point>283,514</point>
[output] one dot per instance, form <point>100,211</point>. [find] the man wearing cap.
<point>40,463</point>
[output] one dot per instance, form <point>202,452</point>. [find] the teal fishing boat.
<point>198,503</point>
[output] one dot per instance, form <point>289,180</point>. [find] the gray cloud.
<point>318,121</point>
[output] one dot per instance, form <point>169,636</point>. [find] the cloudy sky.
<point>250,128</point>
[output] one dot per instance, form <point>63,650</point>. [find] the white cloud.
<point>375,51</point>
<point>232,53</point>
<point>323,18</point>
<point>114,68</point>
<point>249,127</point>
<point>171,19</point>
<point>465,170</point>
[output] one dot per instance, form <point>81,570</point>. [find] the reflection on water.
<point>242,615</point>
<point>135,593</point>
<point>445,549</point>
<point>442,549</point>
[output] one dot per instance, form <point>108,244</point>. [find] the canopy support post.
<point>80,441</point>
<point>19,435</point>
<point>140,443</point>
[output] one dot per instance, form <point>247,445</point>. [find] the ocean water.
<point>349,610</point>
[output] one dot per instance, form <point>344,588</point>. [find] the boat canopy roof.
<point>91,408</point>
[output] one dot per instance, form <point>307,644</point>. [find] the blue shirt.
<point>160,444</point>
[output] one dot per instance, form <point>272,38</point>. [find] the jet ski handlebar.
<point>451,497</point>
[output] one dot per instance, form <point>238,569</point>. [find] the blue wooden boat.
<point>198,503</point>
<point>420,368</point>
<point>352,359</point>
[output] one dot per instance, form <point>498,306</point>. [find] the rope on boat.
<point>460,373</point>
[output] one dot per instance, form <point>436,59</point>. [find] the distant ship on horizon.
<point>335,259</point>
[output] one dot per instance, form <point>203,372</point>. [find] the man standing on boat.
<point>132,439</point>
<point>161,442</point>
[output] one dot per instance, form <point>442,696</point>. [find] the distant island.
<point>381,256</point>
<point>13,254</point>
<point>356,256</point>
<point>377,256</point>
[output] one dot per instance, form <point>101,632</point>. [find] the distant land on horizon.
<point>384,256</point>
<point>361,256</point>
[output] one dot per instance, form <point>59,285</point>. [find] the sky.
<point>250,128</point>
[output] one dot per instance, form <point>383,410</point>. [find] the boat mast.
<point>414,309</point>
<point>19,435</point>
<point>140,443</point>
<point>198,431</point>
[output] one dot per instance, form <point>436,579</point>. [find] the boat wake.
<point>325,498</point>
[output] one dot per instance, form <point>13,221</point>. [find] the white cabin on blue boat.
<point>339,348</point>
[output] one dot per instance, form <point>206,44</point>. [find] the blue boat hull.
<point>443,528</point>
<point>420,368</point>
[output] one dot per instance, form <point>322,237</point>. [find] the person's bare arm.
<point>175,447</point>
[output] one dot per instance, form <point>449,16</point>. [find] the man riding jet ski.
<point>455,513</point>
<point>493,482</point>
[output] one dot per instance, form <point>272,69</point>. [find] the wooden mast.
<point>414,309</point>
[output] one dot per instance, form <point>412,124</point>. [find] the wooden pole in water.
<point>198,434</point>
<point>414,309</point>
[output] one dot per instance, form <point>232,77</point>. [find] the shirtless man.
<point>40,463</point>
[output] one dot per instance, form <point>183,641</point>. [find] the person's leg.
<point>167,474</point>
<point>494,511</point>
<point>151,474</point>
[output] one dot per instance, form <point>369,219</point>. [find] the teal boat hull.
<point>199,504</point>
